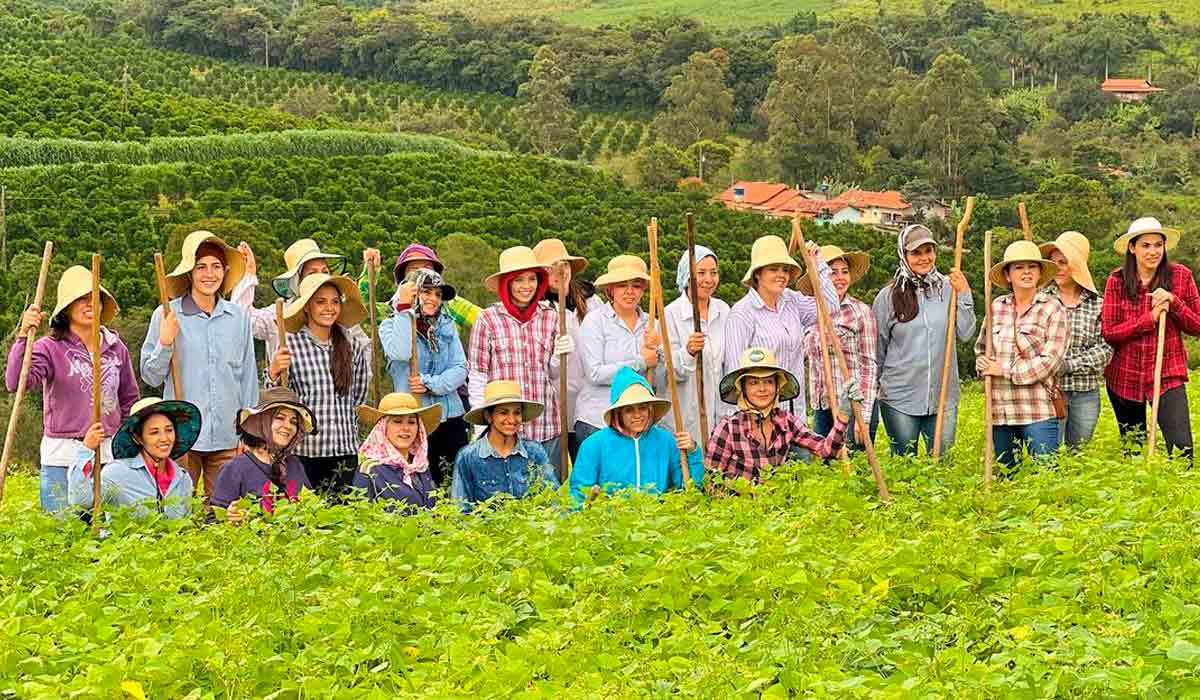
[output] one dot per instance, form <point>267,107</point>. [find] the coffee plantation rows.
<point>1074,581</point>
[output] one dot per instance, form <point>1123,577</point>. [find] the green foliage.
<point>546,111</point>
<point>660,166</point>
<point>698,105</point>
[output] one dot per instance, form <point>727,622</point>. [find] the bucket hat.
<point>353,312</point>
<point>516,259</point>
<point>1022,251</point>
<point>1144,225</point>
<point>552,250</point>
<point>758,362</point>
<point>502,391</point>
<point>1076,248</point>
<point>235,265</point>
<point>278,397</point>
<point>635,394</point>
<point>76,283</point>
<point>184,416</point>
<point>858,261</point>
<point>401,404</point>
<point>769,250</point>
<point>624,268</point>
<point>296,255</point>
<point>416,251</point>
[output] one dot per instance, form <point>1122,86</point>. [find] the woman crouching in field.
<point>393,462</point>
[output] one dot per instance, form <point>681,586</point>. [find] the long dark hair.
<point>904,302</point>
<point>1130,280</point>
<point>341,361</point>
<point>60,325</point>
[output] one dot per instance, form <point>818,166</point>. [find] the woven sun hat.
<point>401,404</point>
<point>1022,251</point>
<point>624,268</point>
<point>353,311</point>
<point>769,250</point>
<point>295,256</point>
<point>758,362</point>
<point>184,416</point>
<point>516,259</point>
<point>552,251</point>
<point>637,393</point>
<point>498,393</point>
<point>279,397</point>
<point>858,261</point>
<point>1076,248</point>
<point>414,252</point>
<point>1142,226</point>
<point>235,265</point>
<point>76,283</point>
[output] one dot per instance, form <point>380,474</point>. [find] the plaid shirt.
<point>1087,353</point>
<point>1133,334</point>
<point>504,348</point>
<point>310,377</point>
<point>855,324</point>
<point>1029,350</point>
<point>736,448</point>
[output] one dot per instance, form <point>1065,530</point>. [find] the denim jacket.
<point>127,482</point>
<point>480,473</point>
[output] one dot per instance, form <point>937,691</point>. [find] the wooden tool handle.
<point>160,273</point>
<point>1152,433</point>
<point>97,312</point>
<point>281,331</point>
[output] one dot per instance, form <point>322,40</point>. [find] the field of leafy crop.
<point>1079,581</point>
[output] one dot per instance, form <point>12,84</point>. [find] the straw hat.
<point>758,362</point>
<point>624,268</point>
<point>515,259</point>
<point>552,250</point>
<point>1144,225</point>
<point>295,256</point>
<point>499,392</point>
<point>184,416</point>
<point>857,260</point>
<point>235,265</point>
<point>353,311</point>
<point>1022,251</point>
<point>769,250</point>
<point>1075,248</point>
<point>76,283</point>
<point>278,397</point>
<point>401,404</point>
<point>635,394</point>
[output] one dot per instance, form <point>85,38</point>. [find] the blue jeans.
<point>1083,411</point>
<point>53,488</point>
<point>553,448</point>
<point>1040,438</point>
<point>904,430</point>
<point>823,423</point>
<point>584,430</point>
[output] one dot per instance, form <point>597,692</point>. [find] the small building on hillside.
<point>887,209</point>
<point>880,209</point>
<point>754,195</point>
<point>1129,90</point>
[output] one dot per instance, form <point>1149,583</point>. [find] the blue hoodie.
<point>648,463</point>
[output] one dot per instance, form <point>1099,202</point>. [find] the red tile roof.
<point>1128,85</point>
<point>757,193</point>
<point>890,199</point>
<point>775,199</point>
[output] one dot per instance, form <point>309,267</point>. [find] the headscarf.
<point>905,277</point>
<point>425,278</point>
<point>259,426</point>
<point>378,450</point>
<point>505,292</point>
<point>683,272</point>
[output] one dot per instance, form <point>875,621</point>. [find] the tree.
<point>708,158</point>
<point>546,112</point>
<point>1071,203</point>
<point>698,103</point>
<point>659,166</point>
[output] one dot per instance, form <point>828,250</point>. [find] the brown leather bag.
<point>1059,400</point>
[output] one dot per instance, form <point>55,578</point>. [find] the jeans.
<point>1173,419</point>
<point>823,423</point>
<point>904,430</point>
<point>553,448</point>
<point>584,430</point>
<point>330,476</point>
<point>53,488</point>
<point>1040,438</point>
<point>1083,411</point>
<point>445,442</point>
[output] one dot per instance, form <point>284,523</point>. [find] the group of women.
<point>489,419</point>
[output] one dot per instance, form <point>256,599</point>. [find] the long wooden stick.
<point>281,331</point>
<point>951,322</point>
<point>26,359</point>
<point>413,370</point>
<point>376,377</point>
<point>1152,433</point>
<point>160,273</point>
<point>652,240</point>
<point>97,312</point>
<point>656,284</point>
<point>1025,227</point>
<point>564,429</point>
<point>988,446</point>
<point>702,399</point>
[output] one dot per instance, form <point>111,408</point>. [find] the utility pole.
<point>267,46</point>
<point>125,89</point>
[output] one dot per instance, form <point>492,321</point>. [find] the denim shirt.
<point>480,472</point>
<point>442,373</point>
<point>216,366</point>
<point>127,482</point>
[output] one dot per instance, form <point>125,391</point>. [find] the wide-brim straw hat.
<point>858,261</point>
<point>624,268</point>
<point>235,265</point>
<point>76,283</point>
<point>184,416</point>
<point>1076,248</point>
<point>1142,226</point>
<point>769,250</point>
<point>296,256</point>
<point>279,397</point>
<point>1022,251</point>
<point>353,311</point>
<point>758,362</point>
<point>636,394</point>
<point>498,393</point>
<point>516,259</point>
<point>552,251</point>
<point>401,404</point>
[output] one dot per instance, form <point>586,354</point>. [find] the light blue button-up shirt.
<point>216,366</point>
<point>606,345</point>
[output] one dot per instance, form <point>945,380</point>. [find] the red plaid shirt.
<point>1133,334</point>
<point>857,329</point>
<point>504,348</point>
<point>736,448</point>
<point>1029,348</point>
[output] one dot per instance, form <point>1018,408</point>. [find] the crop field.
<point>1073,581</point>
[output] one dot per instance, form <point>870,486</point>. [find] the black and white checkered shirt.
<point>1087,353</point>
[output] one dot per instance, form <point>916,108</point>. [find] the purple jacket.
<point>245,475</point>
<point>63,369</point>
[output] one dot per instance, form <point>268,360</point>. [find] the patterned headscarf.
<point>425,278</point>
<point>378,450</point>
<point>905,276</point>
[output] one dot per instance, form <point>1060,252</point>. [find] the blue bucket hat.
<point>184,416</point>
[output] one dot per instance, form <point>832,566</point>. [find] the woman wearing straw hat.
<point>517,339</point>
<point>634,451</point>
<point>762,433</point>
<point>859,334</point>
<point>912,313</point>
<point>501,461</point>
<point>441,363</point>
<point>1082,369</point>
<point>393,462</point>
<point>614,335</point>
<point>330,374</point>
<point>714,315</point>
<point>143,469</point>
<point>772,315</point>
<point>61,365</point>
<point>552,253</point>
<point>215,349</point>
<point>1146,286</point>
<point>1030,333</point>
<point>268,468</point>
